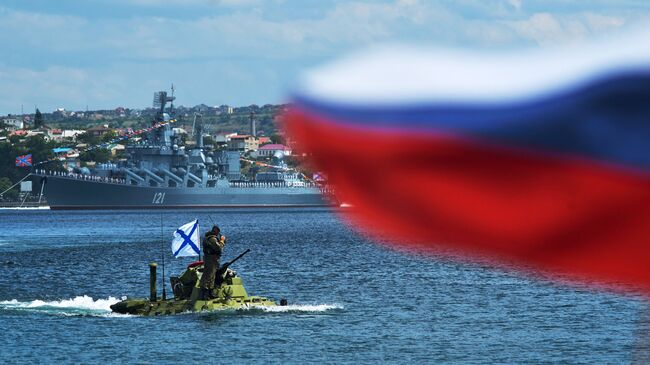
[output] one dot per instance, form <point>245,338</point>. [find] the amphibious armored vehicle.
<point>229,293</point>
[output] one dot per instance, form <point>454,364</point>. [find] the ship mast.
<point>171,104</point>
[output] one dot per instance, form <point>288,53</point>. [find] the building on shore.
<point>273,149</point>
<point>12,123</point>
<point>243,143</point>
<point>99,130</point>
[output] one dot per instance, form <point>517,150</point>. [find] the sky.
<point>101,54</point>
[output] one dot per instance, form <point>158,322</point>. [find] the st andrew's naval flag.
<point>538,159</point>
<point>24,160</point>
<point>186,240</point>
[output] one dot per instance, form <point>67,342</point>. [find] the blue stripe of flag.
<point>607,119</point>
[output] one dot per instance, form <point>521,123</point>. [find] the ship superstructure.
<point>160,172</point>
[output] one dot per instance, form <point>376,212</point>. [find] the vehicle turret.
<point>229,293</point>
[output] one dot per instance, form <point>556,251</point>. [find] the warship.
<point>229,293</point>
<point>161,173</point>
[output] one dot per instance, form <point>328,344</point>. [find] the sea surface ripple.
<point>351,301</point>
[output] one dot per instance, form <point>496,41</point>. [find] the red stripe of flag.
<point>553,214</point>
<point>25,160</point>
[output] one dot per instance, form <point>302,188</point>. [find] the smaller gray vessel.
<point>160,173</point>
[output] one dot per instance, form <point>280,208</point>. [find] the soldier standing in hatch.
<point>213,245</point>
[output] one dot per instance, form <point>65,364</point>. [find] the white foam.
<point>299,308</point>
<point>26,208</point>
<point>85,305</point>
<point>80,303</point>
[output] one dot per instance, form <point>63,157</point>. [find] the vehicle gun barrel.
<point>225,266</point>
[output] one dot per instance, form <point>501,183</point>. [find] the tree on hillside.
<point>87,138</point>
<point>108,136</point>
<point>40,149</point>
<point>99,155</point>
<point>12,194</point>
<point>38,119</point>
<point>278,138</point>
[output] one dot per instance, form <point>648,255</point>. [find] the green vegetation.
<point>215,120</point>
<point>112,122</point>
<point>38,119</point>
<point>5,183</point>
<point>278,138</point>
<point>239,121</point>
<point>40,149</point>
<point>100,155</point>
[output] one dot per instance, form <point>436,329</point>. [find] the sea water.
<point>350,300</point>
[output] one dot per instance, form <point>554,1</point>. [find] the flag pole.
<point>198,228</point>
<point>162,253</point>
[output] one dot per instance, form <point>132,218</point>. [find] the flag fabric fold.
<point>186,241</point>
<point>539,160</point>
<point>24,160</point>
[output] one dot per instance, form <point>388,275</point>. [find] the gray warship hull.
<point>161,171</point>
<point>71,193</point>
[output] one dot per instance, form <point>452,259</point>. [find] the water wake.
<point>298,308</point>
<point>26,208</point>
<point>87,306</point>
<point>81,305</point>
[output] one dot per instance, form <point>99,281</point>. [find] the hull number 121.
<point>158,198</point>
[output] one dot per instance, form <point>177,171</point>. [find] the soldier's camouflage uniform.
<point>212,248</point>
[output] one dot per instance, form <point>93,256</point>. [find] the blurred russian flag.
<point>538,158</point>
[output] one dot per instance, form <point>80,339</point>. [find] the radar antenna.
<point>160,99</point>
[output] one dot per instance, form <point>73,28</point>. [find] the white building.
<point>273,149</point>
<point>226,109</point>
<point>71,133</point>
<point>13,123</point>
